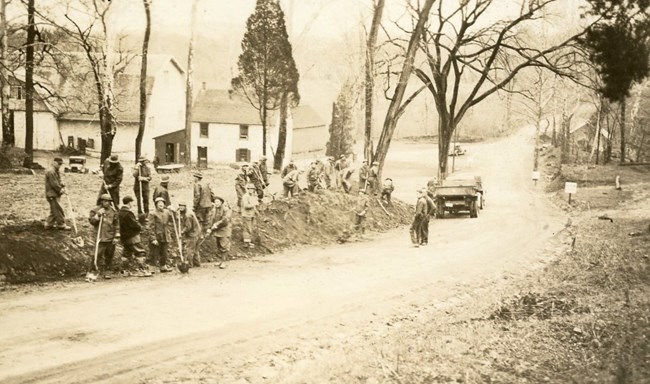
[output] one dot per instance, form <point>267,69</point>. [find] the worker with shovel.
<point>190,231</point>
<point>241,181</point>
<point>248,214</point>
<point>130,232</point>
<point>54,189</point>
<point>160,227</point>
<point>220,228</point>
<point>202,200</point>
<point>104,218</point>
<point>142,175</point>
<point>112,178</point>
<point>162,191</point>
<point>360,210</point>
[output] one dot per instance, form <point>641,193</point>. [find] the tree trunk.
<point>394,109</point>
<point>282,132</point>
<point>370,77</point>
<point>29,85</point>
<point>596,147</point>
<point>623,131</point>
<point>188,91</point>
<point>143,80</point>
<point>7,131</point>
<point>107,134</point>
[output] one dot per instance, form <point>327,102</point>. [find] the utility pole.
<point>189,89</point>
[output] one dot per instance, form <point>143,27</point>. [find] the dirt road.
<point>139,329</point>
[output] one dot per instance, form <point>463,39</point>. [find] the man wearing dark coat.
<point>112,178</point>
<point>130,230</point>
<point>54,189</point>
<point>142,175</point>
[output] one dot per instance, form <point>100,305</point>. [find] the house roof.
<point>305,116</point>
<point>154,63</point>
<point>220,106</point>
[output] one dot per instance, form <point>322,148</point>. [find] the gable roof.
<point>305,116</point>
<point>222,107</point>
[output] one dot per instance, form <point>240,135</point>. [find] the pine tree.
<point>341,140</point>
<point>267,70</point>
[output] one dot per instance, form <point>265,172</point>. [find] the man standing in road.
<point>54,189</point>
<point>190,231</point>
<point>220,228</point>
<point>104,218</point>
<point>248,214</point>
<point>160,228</point>
<point>241,181</point>
<point>162,192</point>
<point>431,211</point>
<point>288,168</point>
<point>420,213</point>
<point>142,175</point>
<point>130,231</point>
<point>360,210</point>
<point>112,175</point>
<point>202,199</point>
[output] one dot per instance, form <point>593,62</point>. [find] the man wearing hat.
<point>54,189</point>
<point>290,183</point>
<point>360,210</point>
<point>161,226</point>
<point>202,198</point>
<point>104,218</point>
<point>255,178</point>
<point>240,184</point>
<point>431,210</point>
<point>248,214</point>
<point>328,172</point>
<point>363,174</point>
<point>190,231</point>
<point>142,175</point>
<point>313,177</point>
<point>373,178</point>
<point>291,166</point>
<point>387,190</point>
<point>112,175</point>
<point>161,191</point>
<point>421,211</point>
<point>130,231</point>
<point>264,171</point>
<point>220,227</point>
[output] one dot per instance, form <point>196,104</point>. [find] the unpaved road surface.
<point>137,329</point>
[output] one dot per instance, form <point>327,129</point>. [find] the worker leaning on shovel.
<point>190,231</point>
<point>161,225</point>
<point>104,218</point>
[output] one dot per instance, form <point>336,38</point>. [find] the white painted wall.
<point>166,106</point>
<point>46,135</point>
<point>223,140</point>
<point>123,142</point>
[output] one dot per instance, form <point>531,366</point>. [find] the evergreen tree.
<point>267,70</point>
<point>341,141</point>
<point>618,46</point>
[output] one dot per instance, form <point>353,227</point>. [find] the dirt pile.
<point>30,253</point>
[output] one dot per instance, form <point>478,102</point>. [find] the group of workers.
<point>209,218</point>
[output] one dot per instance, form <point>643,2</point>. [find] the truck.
<point>459,195</point>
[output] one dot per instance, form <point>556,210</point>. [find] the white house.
<point>227,129</point>
<point>75,122</point>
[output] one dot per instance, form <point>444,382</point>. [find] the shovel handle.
<point>99,232</point>
<point>72,214</point>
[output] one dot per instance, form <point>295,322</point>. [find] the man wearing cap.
<point>113,173</point>
<point>387,190</point>
<point>240,184</point>
<point>360,210</point>
<point>248,214</point>
<point>264,171</point>
<point>363,174</point>
<point>161,191</point>
<point>161,226</point>
<point>373,178</point>
<point>142,175</point>
<point>431,211</point>
<point>130,231</point>
<point>255,178</point>
<point>202,198</point>
<point>288,168</point>
<point>220,227</point>
<point>313,177</point>
<point>290,183</point>
<point>104,218</point>
<point>420,212</point>
<point>54,189</point>
<point>190,233</point>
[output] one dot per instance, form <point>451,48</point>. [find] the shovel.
<point>142,216</point>
<point>91,276</point>
<point>183,266</point>
<point>78,240</point>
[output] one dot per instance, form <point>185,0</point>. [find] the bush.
<point>11,157</point>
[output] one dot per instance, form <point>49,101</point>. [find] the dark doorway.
<point>169,153</point>
<point>202,161</point>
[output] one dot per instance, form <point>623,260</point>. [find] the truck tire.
<point>481,197</point>
<point>473,211</point>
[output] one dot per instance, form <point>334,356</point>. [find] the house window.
<point>16,92</point>
<point>71,141</point>
<point>203,131</point>
<point>90,143</point>
<point>243,154</point>
<point>243,132</point>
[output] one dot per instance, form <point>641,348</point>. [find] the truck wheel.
<point>473,212</point>
<point>481,197</point>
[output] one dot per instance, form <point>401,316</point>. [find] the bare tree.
<point>143,79</point>
<point>7,132</point>
<point>370,75</point>
<point>29,85</point>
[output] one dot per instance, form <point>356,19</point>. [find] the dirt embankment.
<point>30,253</point>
